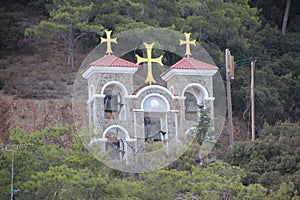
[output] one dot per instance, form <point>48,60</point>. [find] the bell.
<point>111,103</point>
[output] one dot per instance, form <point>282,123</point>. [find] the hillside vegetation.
<point>41,53</point>
<point>35,65</point>
<point>55,165</point>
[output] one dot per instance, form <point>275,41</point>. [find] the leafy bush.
<point>47,169</point>
<point>272,159</point>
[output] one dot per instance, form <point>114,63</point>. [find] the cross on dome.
<point>149,59</point>
<point>187,42</point>
<point>108,40</point>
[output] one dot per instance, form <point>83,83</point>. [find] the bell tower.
<point>110,80</point>
<point>192,79</point>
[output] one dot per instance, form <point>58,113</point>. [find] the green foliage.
<point>271,160</point>
<point>203,124</point>
<point>273,11</point>
<point>57,166</point>
<point>68,22</point>
<point>188,160</point>
<point>275,97</point>
<point>286,191</point>
<point>242,26</point>
<point>152,146</point>
<point>219,180</point>
<point>18,136</point>
<point>62,182</point>
<point>289,94</point>
<point>276,79</point>
<point>49,161</point>
<point>118,15</point>
<point>217,25</point>
<point>49,168</point>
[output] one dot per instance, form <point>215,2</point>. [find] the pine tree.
<point>203,124</point>
<point>68,22</point>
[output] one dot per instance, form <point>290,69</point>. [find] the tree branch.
<point>211,43</point>
<point>79,36</point>
<point>60,44</point>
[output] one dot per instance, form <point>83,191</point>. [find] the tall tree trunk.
<point>200,34</point>
<point>286,16</point>
<point>71,48</point>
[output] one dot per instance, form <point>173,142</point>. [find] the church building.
<point>125,115</point>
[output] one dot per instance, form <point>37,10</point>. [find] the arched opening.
<point>194,94</point>
<point>155,103</point>
<point>114,101</point>
<point>197,90</point>
<point>155,108</point>
<point>191,107</point>
<point>115,144</point>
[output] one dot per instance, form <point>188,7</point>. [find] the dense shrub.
<point>272,159</point>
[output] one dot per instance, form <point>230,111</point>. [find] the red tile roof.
<point>191,63</point>
<point>112,61</point>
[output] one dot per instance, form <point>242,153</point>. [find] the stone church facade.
<point>124,114</point>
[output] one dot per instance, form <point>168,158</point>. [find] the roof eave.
<point>107,70</point>
<point>187,72</point>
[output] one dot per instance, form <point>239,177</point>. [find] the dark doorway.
<point>152,127</point>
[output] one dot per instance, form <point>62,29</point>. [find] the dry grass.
<point>38,71</point>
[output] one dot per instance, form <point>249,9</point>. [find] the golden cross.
<point>149,59</point>
<point>109,41</point>
<point>187,42</point>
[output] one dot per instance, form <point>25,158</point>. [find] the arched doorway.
<point>155,108</point>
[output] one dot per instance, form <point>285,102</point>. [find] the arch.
<point>191,101</point>
<point>120,85</point>
<point>197,85</point>
<point>197,90</point>
<point>116,92</point>
<point>187,132</point>
<point>156,87</point>
<point>118,127</point>
<point>157,102</point>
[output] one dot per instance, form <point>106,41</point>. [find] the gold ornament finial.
<point>187,42</point>
<point>108,40</point>
<point>149,59</point>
